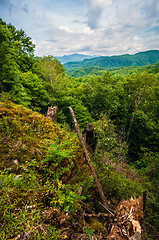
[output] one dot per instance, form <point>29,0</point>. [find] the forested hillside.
<point>46,186</point>
<point>138,59</point>
<point>73,58</point>
<point>89,71</point>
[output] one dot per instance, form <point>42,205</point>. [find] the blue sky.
<point>93,27</point>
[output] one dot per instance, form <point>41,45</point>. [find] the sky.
<point>91,27</point>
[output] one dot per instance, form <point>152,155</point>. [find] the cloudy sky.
<point>93,27</point>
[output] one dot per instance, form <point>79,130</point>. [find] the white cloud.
<point>97,27</point>
<point>86,30</point>
<point>65,29</point>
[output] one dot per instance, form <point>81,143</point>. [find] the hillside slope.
<point>138,59</point>
<point>41,170</point>
<point>46,185</point>
<point>89,71</point>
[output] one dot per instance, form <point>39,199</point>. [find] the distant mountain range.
<point>138,59</point>
<point>74,58</point>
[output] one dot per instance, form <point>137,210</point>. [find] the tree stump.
<point>128,217</point>
<point>52,113</point>
<point>90,141</point>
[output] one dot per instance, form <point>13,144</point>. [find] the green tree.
<point>30,91</point>
<point>8,54</point>
<point>143,97</point>
<point>51,70</point>
<point>25,57</point>
<point>26,43</point>
<point>110,146</point>
<point>16,55</point>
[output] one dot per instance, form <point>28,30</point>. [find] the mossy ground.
<point>42,168</point>
<point>46,184</point>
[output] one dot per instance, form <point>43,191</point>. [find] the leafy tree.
<point>30,91</point>
<point>25,56</point>
<point>16,55</point>
<point>110,146</point>
<point>8,54</point>
<point>142,96</point>
<point>51,70</point>
<point>26,43</point>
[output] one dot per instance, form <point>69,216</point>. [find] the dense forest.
<point>88,71</point>
<point>46,185</point>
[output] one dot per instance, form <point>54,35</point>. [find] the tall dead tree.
<point>99,187</point>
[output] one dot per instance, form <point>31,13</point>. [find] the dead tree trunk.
<point>99,187</point>
<point>128,218</point>
<point>90,141</point>
<point>52,113</point>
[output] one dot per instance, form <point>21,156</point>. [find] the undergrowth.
<point>45,182</point>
